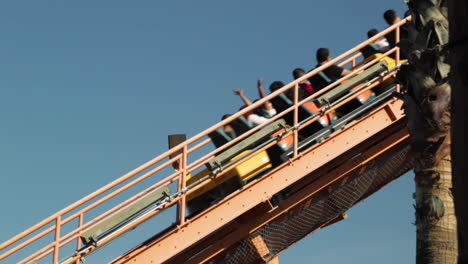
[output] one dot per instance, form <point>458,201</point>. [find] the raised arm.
<point>345,72</point>
<point>261,91</point>
<point>240,92</point>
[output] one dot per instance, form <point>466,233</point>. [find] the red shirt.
<point>307,87</point>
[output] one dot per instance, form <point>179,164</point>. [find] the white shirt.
<point>382,45</point>
<point>255,120</point>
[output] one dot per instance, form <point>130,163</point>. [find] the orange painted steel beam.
<point>261,247</point>
<point>263,189</point>
<point>388,144</point>
<point>274,261</point>
<point>335,220</point>
<point>304,196</point>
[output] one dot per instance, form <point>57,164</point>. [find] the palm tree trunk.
<point>459,82</point>
<point>435,223</point>
<point>426,92</point>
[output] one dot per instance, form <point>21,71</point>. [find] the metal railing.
<point>79,211</point>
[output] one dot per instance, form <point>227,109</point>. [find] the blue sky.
<point>90,89</point>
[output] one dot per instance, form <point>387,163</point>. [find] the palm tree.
<point>427,96</point>
<point>459,81</point>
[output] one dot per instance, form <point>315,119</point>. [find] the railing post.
<point>78,240</point>
<point>397,52</point>
<point>296,118</point>
<point>58,225</point>
<point>182,185</point>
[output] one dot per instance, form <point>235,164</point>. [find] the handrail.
<point>154,166</point>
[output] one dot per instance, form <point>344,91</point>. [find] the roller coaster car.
<point>305,111</point>
<point>365,104</point>
<point>352,108</point>
<point>374,54</point>
<point>370,50</point>
<point>240,126</point>
<point>351,85</point>
<point>341,122</point>
<point>261,162</point>
<point>234,178</point>
<point>320,81</point>
<point>145,203</point>
<point>231,180</point>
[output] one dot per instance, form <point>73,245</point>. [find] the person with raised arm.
<point>267,110</point>
<point>262,113</point>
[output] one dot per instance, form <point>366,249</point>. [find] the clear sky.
<point>90,89</point>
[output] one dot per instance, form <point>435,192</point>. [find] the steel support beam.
<point>352,168</point>
<point>177,240</point>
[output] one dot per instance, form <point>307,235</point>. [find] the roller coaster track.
<point>324,175</point>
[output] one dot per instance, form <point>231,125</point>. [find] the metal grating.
<point>279,235</point>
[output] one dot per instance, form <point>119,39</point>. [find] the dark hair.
<point>276,85</point>
<point>408,13</point>
<point>256,111</point>
<point>298,72</point>
<point>390,16</point>
<point>225,116</point>
<point>322,55</point>
<point>372,33</point>
<point>259,109</point>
